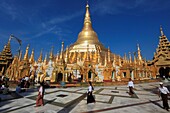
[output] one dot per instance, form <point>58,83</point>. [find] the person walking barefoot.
<point>40,98</point>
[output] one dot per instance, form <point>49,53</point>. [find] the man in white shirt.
<point>131,86</point>
<point>163,92</point>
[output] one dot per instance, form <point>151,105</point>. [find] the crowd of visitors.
<point>4,85</point>
<point>23,85</point>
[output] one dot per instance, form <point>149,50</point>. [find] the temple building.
<point>85,60</point>
<point>161,57</point>
<point>5,58</point>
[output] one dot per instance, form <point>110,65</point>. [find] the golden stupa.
<point>88,46</point>
<point>87,37</point>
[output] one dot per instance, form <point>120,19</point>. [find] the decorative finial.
<point>87,2</point>
<point>138,46</point>
<point>161,30</point>
<point>26,53</point>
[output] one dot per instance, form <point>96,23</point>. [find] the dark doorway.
<point>59,77</point>
<point>167,71</point>
<point>161,72</point>
<point>124,74</point>
<point>89,74</point>
<point>164,72</point>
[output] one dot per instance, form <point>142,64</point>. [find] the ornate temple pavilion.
<point>162,56</point>
<point>5,58</point>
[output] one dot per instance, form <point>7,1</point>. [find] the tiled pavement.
<point>109,99</point>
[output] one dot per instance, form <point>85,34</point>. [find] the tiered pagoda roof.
<point>162,54</point>
<point>6,57</point>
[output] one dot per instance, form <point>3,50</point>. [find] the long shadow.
<point>49,101</point>
<point>72,104</point>
<point>4,110</point>
<point>8,100</point>
<point>4,103</point>
<point>154,102</point>
<point>118,107</point>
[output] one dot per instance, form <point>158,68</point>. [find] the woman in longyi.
<point>40,98</point>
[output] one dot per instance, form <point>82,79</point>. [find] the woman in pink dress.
<point>40,100</point>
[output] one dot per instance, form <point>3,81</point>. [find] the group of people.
<point>163,92</point>
<point>23,85</point>
<point>40,97</point>
<point>4,85</point>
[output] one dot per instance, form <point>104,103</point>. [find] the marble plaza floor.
<point>109,99</point>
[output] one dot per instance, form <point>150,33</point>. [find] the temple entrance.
<point>167,72</point>
<point>59,77</point>
<point>89,74</point>
<point>164,72</point>
<point>161,72</point>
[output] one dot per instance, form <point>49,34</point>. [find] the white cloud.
<point>44,32</point>
<point>61,19</point>
<point>120,6</point>
<point>8,9</point>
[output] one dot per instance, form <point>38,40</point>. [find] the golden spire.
<point>105,60</point>
<point>62,49</point>
<point>51,53</point>
<point>8,44</point>
<point>162,34</point>
<point>130,58</point>
<point>87,15</point>
<point>87,35</point>
<point>20,56</point>
<point>139,53</point>
<point>26,53</point>
<point>108,54</point>
<point>66,57</point>
<point>135,59</point>
<point>57,57</point>
<point>45,60</point>
<point>7,51</point>
<point>31,60</point>
<point>125,58</point>
<point>114,59</point>
<point>40,57</point>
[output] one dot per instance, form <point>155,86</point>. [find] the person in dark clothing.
<point>90,97</point>
<point>163,92</point>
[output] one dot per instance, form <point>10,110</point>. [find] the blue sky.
<point>120,24</point>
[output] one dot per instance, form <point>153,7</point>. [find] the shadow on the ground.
<point>154,102</point>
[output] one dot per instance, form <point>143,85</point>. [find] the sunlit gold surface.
<point>87,36</point>
<point>86,55</point>
<point>162,55</point>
